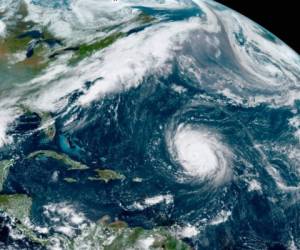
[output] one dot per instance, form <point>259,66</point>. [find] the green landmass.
<point>103,235</point>
<point>48,125</point>
<point>19,206</point>
<point>118,225</point>
<point>16,205</point>
<point>118,236</point>
<point>145,18</point>
<point>11,44</point>
<point>73,165</point>
<point>107,175</point>
<point>70,180</point>
<point>86,50</point>
<point>31,235</point>
<point>47,121</point>
<point>159,238</point>
<point>5,165</point>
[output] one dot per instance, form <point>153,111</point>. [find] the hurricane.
<point>200,153</point>
<point>134,124</point>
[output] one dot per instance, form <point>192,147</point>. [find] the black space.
<point>282,18</point>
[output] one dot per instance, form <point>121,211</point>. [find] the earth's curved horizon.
<point>134,124</point>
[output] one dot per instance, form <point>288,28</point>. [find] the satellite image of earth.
<point>146,124</point>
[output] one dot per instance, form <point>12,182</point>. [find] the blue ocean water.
<point>131,133</point>
<point>52,3</point>
<point>136,148</point>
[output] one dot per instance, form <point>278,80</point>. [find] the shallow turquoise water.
<point>196,106</point>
